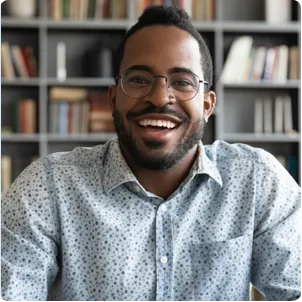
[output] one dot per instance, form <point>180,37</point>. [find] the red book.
<point>25,60</point>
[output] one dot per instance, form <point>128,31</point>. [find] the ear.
<point>112,96</point>
<point>209,103</point>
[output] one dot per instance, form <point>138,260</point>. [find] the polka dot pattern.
<point>78,226</point>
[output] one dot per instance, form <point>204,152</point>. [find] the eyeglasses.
<point>182,86</point>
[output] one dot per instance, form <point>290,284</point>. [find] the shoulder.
<point>221,151</point>
<point>78,157</point>
<point>247,162</point>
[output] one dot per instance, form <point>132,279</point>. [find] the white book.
<point>268,115</point>
<point>243,58</point>
<point>61,61</point>
<point>188,7</point>
<point>282,65</point>
<point>288,115</point>
<point>233,69</point>
<point>258,116</point>
<point>278,120</point>
<point>6,173</point>
<point>278,11</point>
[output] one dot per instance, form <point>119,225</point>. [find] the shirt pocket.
<point>221,270</point>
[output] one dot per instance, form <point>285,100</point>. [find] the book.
<point>278,119</point>
<point>269,64</point>
<point>258,116</point>
<point>283,59</point>
<point>61,61</point>
<point>236,59</point>
<point>278,11</point>
<point>7,61</point>
<point>67,94</point>
<point>268,115</point>
<point>32,61</point>
<point>27,113</point>
<point>20,64</point>
<point>294,63</point>
<point>288,115</point>
<point>258,68</point>
<point>6,173</point>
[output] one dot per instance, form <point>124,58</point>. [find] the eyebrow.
<point>149,69</point>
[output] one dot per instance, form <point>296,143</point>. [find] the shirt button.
<point>164,259</point>
<point>163,207</point>
<point>137,189</point>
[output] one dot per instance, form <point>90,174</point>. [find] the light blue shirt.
<point>79,226</point>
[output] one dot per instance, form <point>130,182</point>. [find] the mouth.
<point>157,129</point>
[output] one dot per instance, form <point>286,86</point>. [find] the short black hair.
<point>169,15</point>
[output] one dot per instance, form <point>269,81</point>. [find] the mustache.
<point>166,109</point>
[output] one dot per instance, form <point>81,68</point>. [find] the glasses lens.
<point>183,86</point>
<point>137,83</point>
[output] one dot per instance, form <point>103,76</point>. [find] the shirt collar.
<point>204,165</point>
<point>116,170</point>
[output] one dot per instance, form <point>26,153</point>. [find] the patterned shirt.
<point>79,226</point>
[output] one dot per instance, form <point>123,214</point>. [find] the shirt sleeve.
<point>30,236</point>
<point>276,263</point>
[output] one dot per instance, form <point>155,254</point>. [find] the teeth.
<point>157,123</point>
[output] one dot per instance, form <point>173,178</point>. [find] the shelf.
<point>205,26</point>
<point>57,138</point>
<point>95,137</point>
<point>21,82</point>
<point>260,26</point>
<point>233,26</point>
<point>263,84</point>
<point>18,137</point>
<point>19,22</point>
<point>86,24</point>
<point>251,137</point>
<point>89,82</point>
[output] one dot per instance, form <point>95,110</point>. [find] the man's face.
<point>160,146</point>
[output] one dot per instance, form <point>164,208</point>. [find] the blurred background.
<point>57,60</point>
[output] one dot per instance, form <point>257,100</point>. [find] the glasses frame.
<point>164,77</point>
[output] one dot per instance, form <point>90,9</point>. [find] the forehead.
<point>162,48</point>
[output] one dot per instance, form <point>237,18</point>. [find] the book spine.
<point>6,173</point>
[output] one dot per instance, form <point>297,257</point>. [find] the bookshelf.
<point>232,120</point>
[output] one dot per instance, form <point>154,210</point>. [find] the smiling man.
<point>154,214</point>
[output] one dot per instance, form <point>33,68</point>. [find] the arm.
<point>276,262</point>
<point>30,236</point>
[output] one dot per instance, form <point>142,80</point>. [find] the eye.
<point>138,80</point>
<point>181,83</point>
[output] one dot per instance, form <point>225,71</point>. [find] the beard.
<point>166,161</point>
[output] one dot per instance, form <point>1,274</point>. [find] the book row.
<point>198,10</point>
<point>18,61</point>
<point>75,110</point>
<point>201,10</point>
<point>71,110</point>
<point>274,116</point>
<point>87,9</point>
<point>247,62</point>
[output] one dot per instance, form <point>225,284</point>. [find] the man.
<point>154,214</point>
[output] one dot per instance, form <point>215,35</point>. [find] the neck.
<point>163,182</point>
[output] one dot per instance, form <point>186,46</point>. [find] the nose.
<point>159,95</point>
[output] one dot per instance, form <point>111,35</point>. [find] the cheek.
<point>194,109</point>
